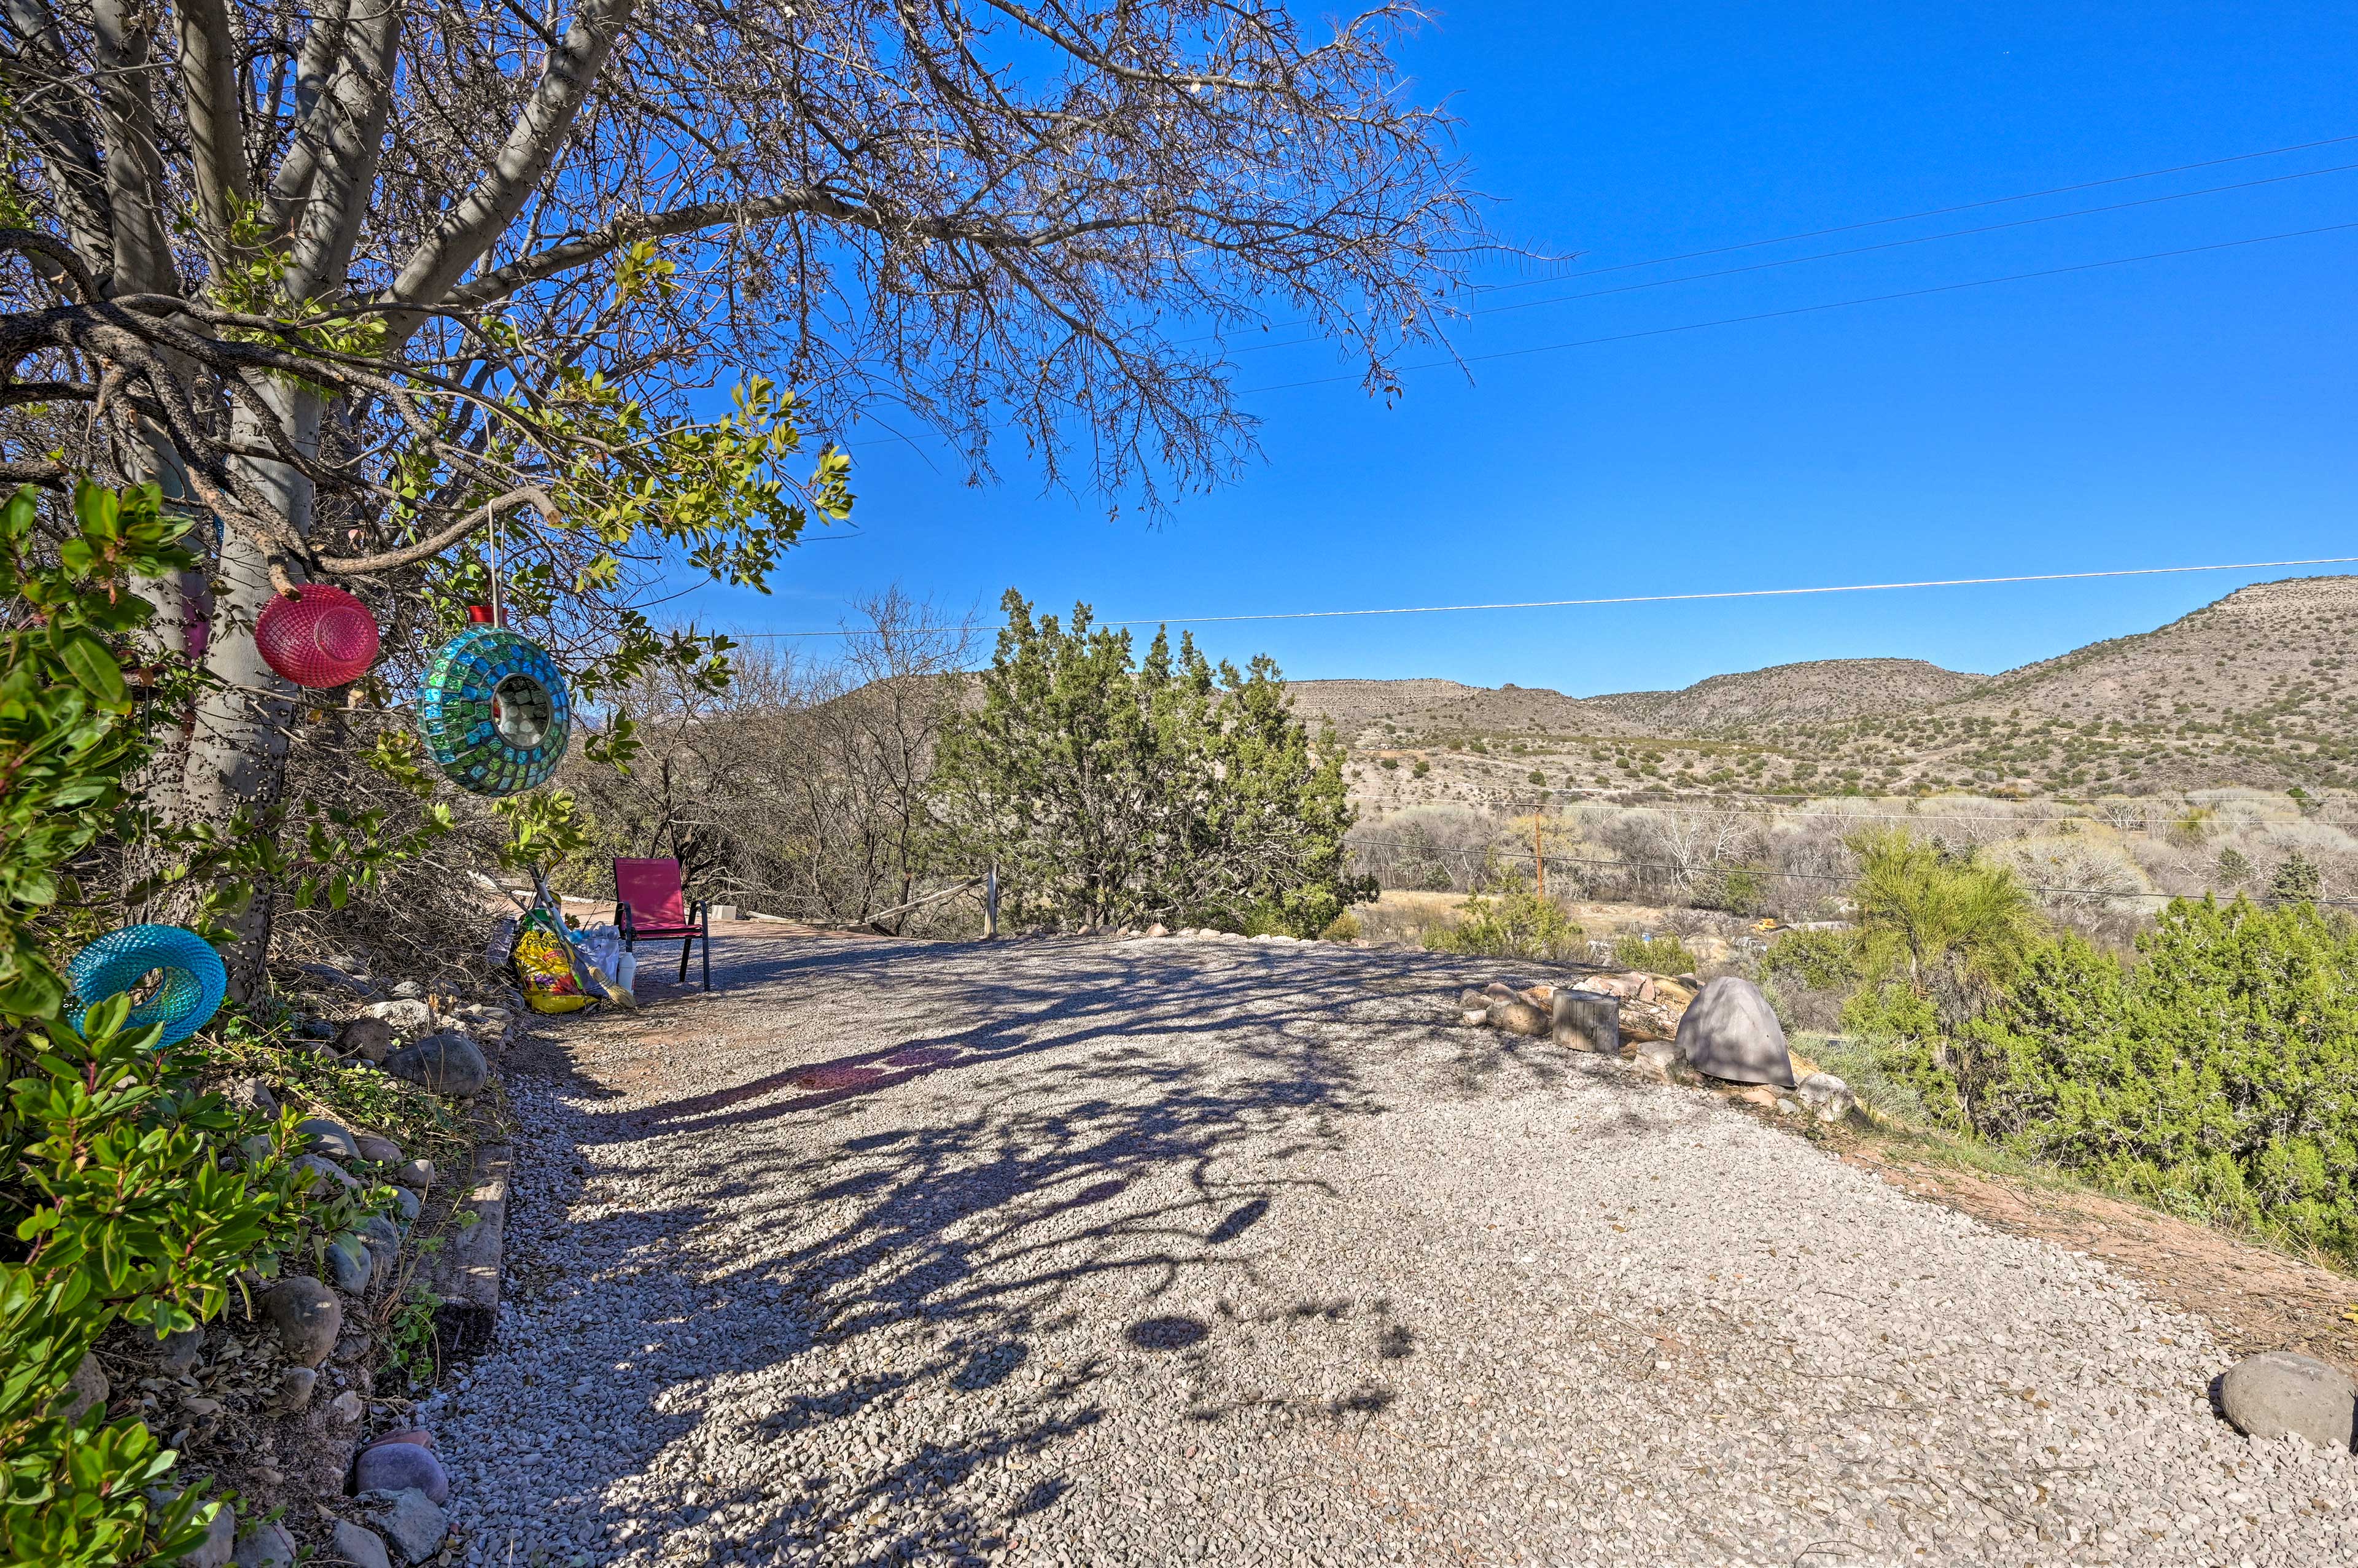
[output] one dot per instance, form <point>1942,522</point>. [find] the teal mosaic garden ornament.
<point>191,979</point>
<point>494,712</point>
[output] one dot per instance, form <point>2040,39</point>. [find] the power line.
<point>1648,598</point>
<point>1465,359</point>
<point>1850,251</point>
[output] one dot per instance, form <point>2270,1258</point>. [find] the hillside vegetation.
<point>2252,691</point>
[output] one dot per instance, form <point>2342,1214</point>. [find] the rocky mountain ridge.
<point>2253,689</point>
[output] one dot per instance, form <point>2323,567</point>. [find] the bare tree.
<point>360,280</point>
<point>802,786</point>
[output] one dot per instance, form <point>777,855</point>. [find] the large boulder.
<point>1730,1032</point>
<point>2280,1394</point>
<point>449,1063</point>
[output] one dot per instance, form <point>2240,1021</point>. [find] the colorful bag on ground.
<point>546,967</point>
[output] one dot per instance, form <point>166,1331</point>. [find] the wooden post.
<point>991,903</point>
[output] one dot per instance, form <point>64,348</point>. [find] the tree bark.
<point>237,758</point>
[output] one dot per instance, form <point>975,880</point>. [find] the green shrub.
<point>129,1195</point>
<point>1513,923</point>
<point>1658,952</point>
<point>1820,960</point>
<point>2217,1074</point>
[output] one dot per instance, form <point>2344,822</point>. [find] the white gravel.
<point>1184,1251</point>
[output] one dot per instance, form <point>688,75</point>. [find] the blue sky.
<point>2188,410</point>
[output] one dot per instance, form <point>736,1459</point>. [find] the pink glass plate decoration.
<point>325,638</point>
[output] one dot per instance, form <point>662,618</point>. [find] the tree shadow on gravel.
<point>953,1217</point>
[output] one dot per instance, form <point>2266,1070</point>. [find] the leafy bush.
<point>2218,1074</point>
<point>1514,923</point>
<point>1658,952</point>
<point>132,1197</point>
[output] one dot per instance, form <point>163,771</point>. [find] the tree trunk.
<point>237,758</point>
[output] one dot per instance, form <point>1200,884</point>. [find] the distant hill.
<point>2255,689</point>
<point>1824,690</point>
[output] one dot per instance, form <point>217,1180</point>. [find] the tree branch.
<point>216,119</point>
<point>476,220</point>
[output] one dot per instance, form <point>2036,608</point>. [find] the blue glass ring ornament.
<point>494,712</point>
<point>193,979</point>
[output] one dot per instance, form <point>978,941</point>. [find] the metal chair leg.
<point>708,948</point>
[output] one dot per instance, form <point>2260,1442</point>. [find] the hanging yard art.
<point>494,712</point>
<point>323,637</point>
<point>190,978</point>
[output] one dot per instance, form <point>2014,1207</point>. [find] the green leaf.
<point>94,669</point>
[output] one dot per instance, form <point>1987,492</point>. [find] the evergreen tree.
<point>1112,788</point>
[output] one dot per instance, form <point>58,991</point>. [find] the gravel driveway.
<point>1067,1251</point>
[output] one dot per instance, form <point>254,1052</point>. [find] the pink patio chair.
<point>650,902</point>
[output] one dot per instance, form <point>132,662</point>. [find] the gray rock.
<point>1586,1021</point>
<point>1662,1059</point>
<point>378,1150</point>
<point>356,1546</point>
<point>1828,1097</point>
<point>179,1350</point>
<point>220,1542</point>
<point>2281,1394</point>
<point>1730,1032</point>
<point>409,990</point>
<point>327,1172</point>
<point>250,1094</point>
<point>406,1203</point>
<point>379,1231</point>
<point>306,1316</point>
<point>351,963</point>
<point>369,1039</point>
<point>264,1545</point>
<point>406,1016</point>
<point>341,979</point>
<point>413,1523</point>
<point>296,1385</point>
<point>315,1029</point>
<point>448,1064</point>
<point>417,1175</point>
<point>347,1407</point>
<point>332,1139</point>
<point>88,1389</point>
<point>1517,1017</point>
<point>350,1264</point>
<point>398,1466</point>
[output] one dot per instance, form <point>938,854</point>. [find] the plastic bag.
<point>547,967</point>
